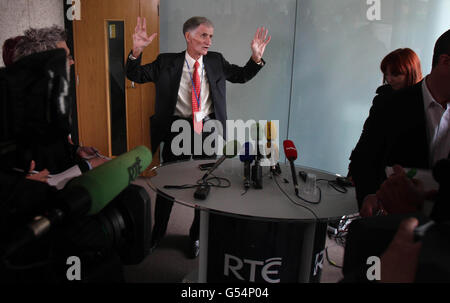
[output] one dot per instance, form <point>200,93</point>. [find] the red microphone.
<point>291,154</point>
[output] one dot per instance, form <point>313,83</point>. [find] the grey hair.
<point>37,40</point>
<point>194,22</point>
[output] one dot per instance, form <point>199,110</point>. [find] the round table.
<point>258,235</point>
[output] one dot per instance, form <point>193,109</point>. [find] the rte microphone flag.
<point>105,182</point>
<point>291,154</point>
<point>87,194</point>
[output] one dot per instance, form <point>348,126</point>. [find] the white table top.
<point>268,203</point>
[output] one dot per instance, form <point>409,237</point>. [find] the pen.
<point>22,171</point>
<point>101,156</point>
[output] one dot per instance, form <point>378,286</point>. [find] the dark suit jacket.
<point>394,133</point>
<point>166,72</point>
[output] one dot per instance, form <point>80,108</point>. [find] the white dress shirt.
<point>183,107</point>
<point>437,121</point>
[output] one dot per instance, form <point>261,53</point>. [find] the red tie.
<point>196,93</point>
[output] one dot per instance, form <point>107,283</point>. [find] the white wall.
<point>18,15</point>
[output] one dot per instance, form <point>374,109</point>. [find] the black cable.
<point>203,182</point>
<point>335,185</point>
<point>274,177</point>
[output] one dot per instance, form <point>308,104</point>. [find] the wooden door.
<point>93,69</point>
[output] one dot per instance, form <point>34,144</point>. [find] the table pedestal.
<point>241,249</point>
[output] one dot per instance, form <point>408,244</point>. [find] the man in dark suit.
<point>408,127</point>
<point>190,85</point>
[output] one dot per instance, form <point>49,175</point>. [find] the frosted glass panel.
<point>336,68</point>
<point>322,63</point>
<point>265,97</point>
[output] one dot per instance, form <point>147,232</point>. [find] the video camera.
<point>35,116</point>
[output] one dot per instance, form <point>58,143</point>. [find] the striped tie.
<point>198,125</point>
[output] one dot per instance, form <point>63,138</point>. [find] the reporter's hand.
<point>399,261</point>
<point>400,194</point>
<point>370,206</point>
<point>87,152</point>
<point>41,176</point>
<point>97,161</point>
<point>259,43</point>
<point>140,38</point>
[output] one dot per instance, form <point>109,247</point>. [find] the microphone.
<point>271,133</point>
<point>256,134</point>
<point>105,182</point>
<point>247,158</point>
<point>273,154</point>
<point>230,150</point>
<point>88,194</point>
<point>291,154</point>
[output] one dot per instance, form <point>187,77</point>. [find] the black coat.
<point>394,133</point>
<point>35,113</point>
<point>166,73</point>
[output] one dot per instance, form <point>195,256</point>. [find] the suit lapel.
<point>209,68</point>
<point>175,71</point>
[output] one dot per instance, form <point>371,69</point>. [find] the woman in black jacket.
<point>401,68</point>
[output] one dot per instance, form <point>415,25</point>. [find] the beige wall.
<point>19,15</point>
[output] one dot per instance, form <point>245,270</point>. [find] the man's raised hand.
<point>140,38</point>
<point>259,43</point>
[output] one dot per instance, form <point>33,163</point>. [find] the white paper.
<point>60,180</point>
<point>424,175</point>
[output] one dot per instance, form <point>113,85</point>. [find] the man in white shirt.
<point>190,85</point>
<point>411,129</point>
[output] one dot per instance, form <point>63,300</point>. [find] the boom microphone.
<point>88,194</point>
<point>247,158</point>
<point>273,155</point>
<point>291,154</point>
<point>105,182</point>
<point>230,150</point>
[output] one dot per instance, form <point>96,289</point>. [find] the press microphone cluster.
<point>291,154</point>
<point>247,158</point>
<point>230,150</point>
<point>87,194</point>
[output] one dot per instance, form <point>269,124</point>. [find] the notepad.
<point>60,180</point>
<point>424,175</point>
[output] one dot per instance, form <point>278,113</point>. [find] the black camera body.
<point>118,235</point>
<point>35,115</point>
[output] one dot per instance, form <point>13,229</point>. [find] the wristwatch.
<point>131,57</point>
